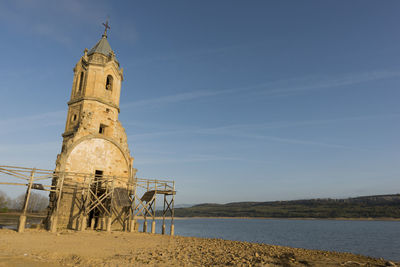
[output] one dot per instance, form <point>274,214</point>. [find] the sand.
<point>95,248</point>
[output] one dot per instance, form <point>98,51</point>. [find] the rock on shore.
<point>92,248</point>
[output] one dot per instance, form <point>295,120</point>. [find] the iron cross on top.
<point>106,27</point>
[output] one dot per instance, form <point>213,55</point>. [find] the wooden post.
<point>83,223</point>
<point>54,216</point>
<point>145,212</point>
<point>163,229</point>
<point>172,231</point>
<point>22,218</point>
<point>145,225</point>
<point>132,226</point>
<point>109,221</point>
<point>85,200</point>
<point>133,215</point>
<point>153,227</point>
<point>103,223</point>
<point>92,222</point>
<point>153,223</point>
<point>133,221</point>
<point>163,219</point>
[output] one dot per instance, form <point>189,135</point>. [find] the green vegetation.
<point>383,206</point>
<point>37,202</point>
<point>3,202</point>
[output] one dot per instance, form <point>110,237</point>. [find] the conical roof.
<point>102,47</point>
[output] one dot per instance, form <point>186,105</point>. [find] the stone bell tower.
<point>94,140</point>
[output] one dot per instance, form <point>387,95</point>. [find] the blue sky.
<point>234,100</point>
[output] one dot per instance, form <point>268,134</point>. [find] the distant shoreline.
<point>5,215</point>
<point>275,218</point>
<point>376,207</point>
<point>8,223</point>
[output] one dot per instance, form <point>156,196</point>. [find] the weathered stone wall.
<point>94,138</point>
<point>97,154</point>
<point>96,83</point>
<point>95,70</point>
<point>70,205</point>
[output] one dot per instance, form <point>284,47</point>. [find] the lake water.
<point>372,238</point>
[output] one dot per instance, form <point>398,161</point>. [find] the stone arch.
<point>71,148</point>
<point>109,82</point>
<point>80,84</point>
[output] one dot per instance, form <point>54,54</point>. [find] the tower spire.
<point>105,28</point>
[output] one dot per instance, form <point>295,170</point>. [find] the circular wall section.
<point>97,154</point>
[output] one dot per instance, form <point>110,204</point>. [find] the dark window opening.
<point>109,82</point>
<point>80,82</point>
<point>98,177</point>
<point>102,129</point>
<point>98,174</point>
<point>74,117</point>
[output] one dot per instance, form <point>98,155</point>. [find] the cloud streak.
<point>29,148</point>
<point>320,83</point>
<point>197,53</point>
<point>52,19</point>
<point>260,126</point>
<point>215,131</point>
<point>242,130</point>
<point>288,124</point>
<point>186,159</point>
<point>316,83</point>
<point>32,121</point>
<point>286,87</point>
<point>170,99</point>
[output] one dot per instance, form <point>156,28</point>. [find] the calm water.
<point>371,238</point>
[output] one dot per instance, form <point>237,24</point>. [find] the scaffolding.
<point>100,195</point>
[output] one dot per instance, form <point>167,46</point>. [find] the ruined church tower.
<point>94,140</point>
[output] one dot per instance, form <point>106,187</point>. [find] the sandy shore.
<point>92,248</point>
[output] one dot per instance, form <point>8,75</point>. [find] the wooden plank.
<point>12,183</point>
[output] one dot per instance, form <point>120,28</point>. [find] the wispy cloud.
<point>198,53</point>
<point>291,140</point>
<point>256,126</point>
<point>21,149</point>
<point>219,131</point>
<point>52,19</point>
<point>286,124</point>
<point>187,159</point>
<point>286,87</point>
<point>180,97</point>
<point>249,130</point>
<point>31,121</point>
<point>162,133</point>
<point>321,83</point>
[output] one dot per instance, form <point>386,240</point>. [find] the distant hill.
<point>380,206</point>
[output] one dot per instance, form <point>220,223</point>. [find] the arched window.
<point>109,83</point>
<point>80,82</point>
<point>74,117</point>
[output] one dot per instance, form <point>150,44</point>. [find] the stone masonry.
<point>94,140</point>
